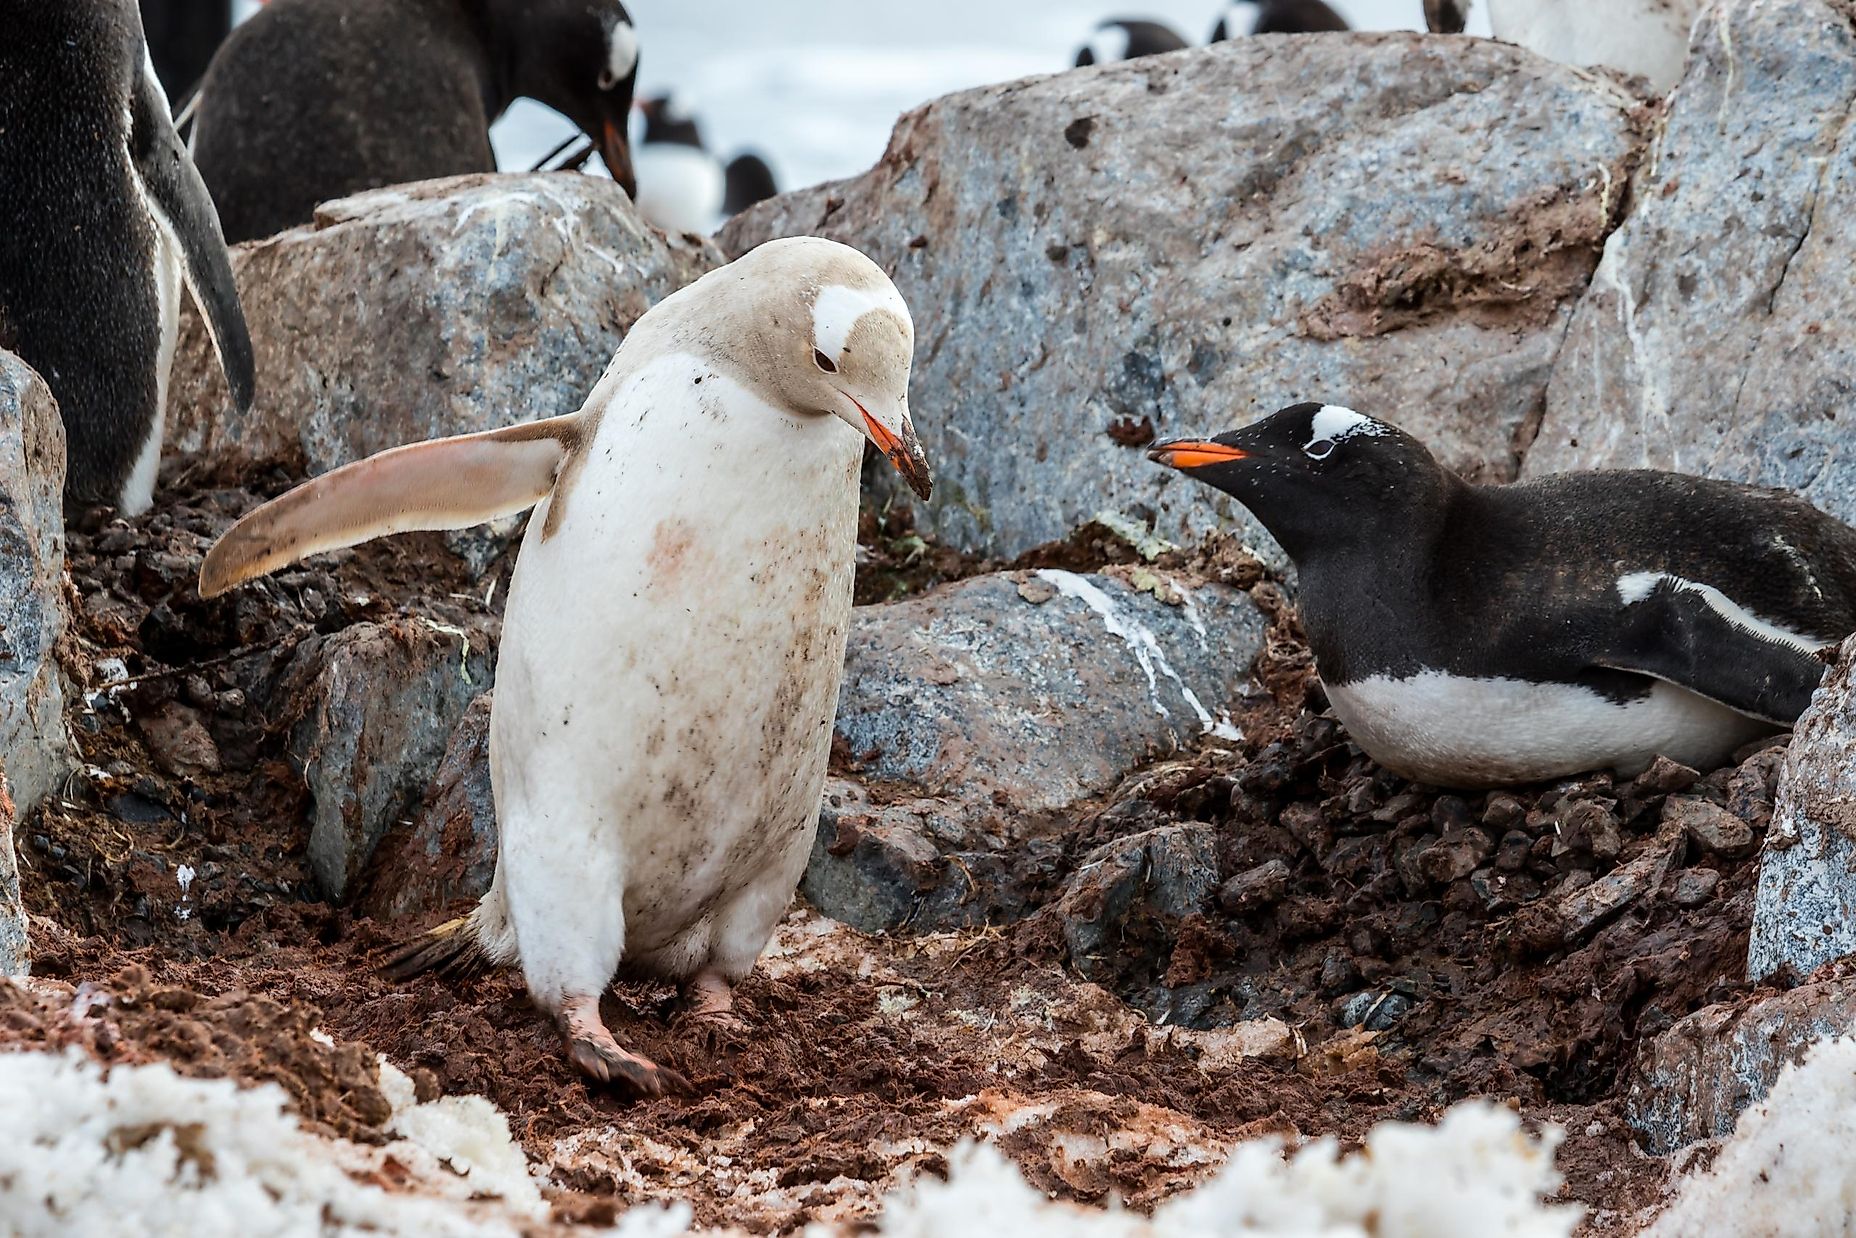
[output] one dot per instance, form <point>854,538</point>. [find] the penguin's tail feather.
<point>452,949</point>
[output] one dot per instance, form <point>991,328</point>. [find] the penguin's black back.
<point>78,299</point>
<point>1521,581</point>
<point>749,181</point>
<point>182,37</point>
<point>313,100</point>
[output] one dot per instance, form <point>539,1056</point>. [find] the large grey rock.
<point>1805,911</point>
<point>425,310</point>
<point>35,748</point>
<point>1719,335</point>
<point>979,713</point>
<point>447,851</point>
<point>1693,1081</point>
<point>1395,222</point>
<point>381,701</point>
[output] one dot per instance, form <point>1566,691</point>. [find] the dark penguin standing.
<point>101,217</point>
<point>1477,635</point>
<point>681,186</point>
<point>1276,17</point>
<point>182,37</point>
<point>1126,38</point>
<point>316,99</point>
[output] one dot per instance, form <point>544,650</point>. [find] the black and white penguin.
<point>102,217</point>
<point>316,99</point>
<point>1276,17</point>
<point>681,186</point>
<point>1127,38</point>
<point>1477,635</point>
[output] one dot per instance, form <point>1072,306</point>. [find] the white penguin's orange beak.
<point>903,451</point>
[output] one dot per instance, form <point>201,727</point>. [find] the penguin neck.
<point>492,49</point>
<point>1379,564</point>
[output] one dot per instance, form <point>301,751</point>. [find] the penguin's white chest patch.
<point>680,188</point>
<point>1454,730</point>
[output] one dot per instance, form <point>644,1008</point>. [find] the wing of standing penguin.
<point>177,199</point>
<point>449,483</point>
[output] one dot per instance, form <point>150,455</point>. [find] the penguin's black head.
<point>664,121</point>
<point>1315,475</point>
<point>1128,38</point>
<point>580,57</point>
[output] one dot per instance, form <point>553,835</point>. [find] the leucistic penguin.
<point>656,805</point>
<point>102,220</point>
<point>681,186</point>
<point>316,99</point>
<point>1474,635</point>
<point>1128,38</point>
<point>1276,17</point>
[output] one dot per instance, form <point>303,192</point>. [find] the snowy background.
<point>814,86</point>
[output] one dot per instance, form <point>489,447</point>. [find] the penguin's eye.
<point>1320,449</point>
<point>823,362</point>
<point>607,79</point>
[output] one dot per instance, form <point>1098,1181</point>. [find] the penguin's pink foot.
<point>599,1056</point>
<point>711,1009</point>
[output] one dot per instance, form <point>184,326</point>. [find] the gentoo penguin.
<point>102,218</point>
<point>749,181</point>
<point>1643,38</point>
<point>681,186</point>
<point>675,627</point>
<point>1476,635</point>
<point>317,99</point>
<point>182,37</point>
<point>1126,38</point>
<point>1276,17</point>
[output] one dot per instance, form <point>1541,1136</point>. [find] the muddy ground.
<point>1378,951</point>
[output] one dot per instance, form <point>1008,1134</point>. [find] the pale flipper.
<point>450,483</point>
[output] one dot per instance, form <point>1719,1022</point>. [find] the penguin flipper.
<point>183,212</point>
<point>1694,637</point>
<point>449,483</point>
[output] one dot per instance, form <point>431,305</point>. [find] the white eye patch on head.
<point>621,54</point>
<point>1333,425</point>
<point>837,310</point>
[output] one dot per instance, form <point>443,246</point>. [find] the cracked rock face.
<point>426,310</point>
<point>1718,336</point>
<point>1805,915</point>
<point>1183,244</point>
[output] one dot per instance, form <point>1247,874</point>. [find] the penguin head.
<point>835,337</point>
<point>1238,20</point>
<point>666,121</point>
<point>1126,38</point>
<point>1314,474</point>
<point>580,57</point>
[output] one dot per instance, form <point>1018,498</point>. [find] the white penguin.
<point>1644,38</point>
<point>675,630</point>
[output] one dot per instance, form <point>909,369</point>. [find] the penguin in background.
<point>1127,38</point>
<point>749,181</point>
<point>1276,17</point>
<point>312,100</point>
<point>681,186</point>
<point>102,220</point>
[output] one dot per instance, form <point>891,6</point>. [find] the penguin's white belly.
<point>1456,731</point>
<point>1648,38</point>
<point>670,665</point>
<point>680,188</point>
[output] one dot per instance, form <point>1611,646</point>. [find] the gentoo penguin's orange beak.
<point>903,451</point>
<point>615,147</point>
<point>1187,453</point>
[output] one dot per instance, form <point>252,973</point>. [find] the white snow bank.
<point>1475,1175</point>
<point>1789,1170</point>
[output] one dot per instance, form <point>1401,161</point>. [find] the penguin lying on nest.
<point>318,99</point>
<point>1276,17</point>
<point>102,219</point>
<point>675,629</point>
<point>1472,636</point>
<point>1128,38</point>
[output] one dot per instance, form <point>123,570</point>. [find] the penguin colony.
<point>654,813</point>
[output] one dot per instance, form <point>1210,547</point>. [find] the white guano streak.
<point>1141,642</point>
